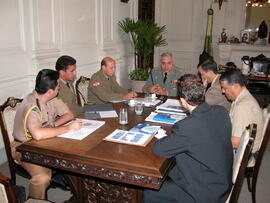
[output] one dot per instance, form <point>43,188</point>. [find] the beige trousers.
<point>40,176</point>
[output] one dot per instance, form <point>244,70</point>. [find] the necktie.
<point>165,77</point>
<point>70,87</point>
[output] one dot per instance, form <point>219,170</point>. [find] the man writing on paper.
<point>66,67</point>
<point>103,86</point>
<point>209,75</point>
<point>41,115</point>
<point>202,149</point>
<point>162,80</point>
<point>245,109</point>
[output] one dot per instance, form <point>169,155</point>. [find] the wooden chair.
<point>7,115</point>
<point>82,90</point>
<point>240,162</point>
<point>254,164</point>
<point>8,194</point>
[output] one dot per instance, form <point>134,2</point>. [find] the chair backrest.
<point>240,162</point>
<point>82,90</point>
<point>7,115</point>
<point>259,155</point>
<point>7,192</point>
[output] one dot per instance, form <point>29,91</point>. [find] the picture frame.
<point>245,36</point>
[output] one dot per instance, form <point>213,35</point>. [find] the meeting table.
<point>99,170</point>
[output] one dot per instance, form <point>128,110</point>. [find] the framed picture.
<point>245,36</point>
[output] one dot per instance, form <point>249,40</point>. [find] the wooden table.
<point>102,171</point>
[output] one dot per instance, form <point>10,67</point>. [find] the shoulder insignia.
<point>34,108</point>
<point>95,84</point>
<point>58,99</point>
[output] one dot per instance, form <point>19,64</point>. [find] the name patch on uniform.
<point>58,99</point>
<point>95,84</point>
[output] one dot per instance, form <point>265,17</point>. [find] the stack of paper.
<point>171,106</point>
<point>169,112</point>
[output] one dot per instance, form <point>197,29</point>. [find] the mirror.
<point>255,15</point>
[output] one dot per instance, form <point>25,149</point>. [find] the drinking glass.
<point>123,116</point>
<point>138,108</point>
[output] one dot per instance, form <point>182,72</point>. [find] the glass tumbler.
<point>138,108</point>
<point>123,116</point>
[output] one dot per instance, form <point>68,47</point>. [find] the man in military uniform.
<point>66,67</point>
<point>162,80</point>
<point>209,75</point>
<point>103,86</point>
<point>41,115</point>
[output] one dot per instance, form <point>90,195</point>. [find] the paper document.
<point>127,137</point>
<point>92,111</point>
<point>89,126</point>
<point>108,114</point>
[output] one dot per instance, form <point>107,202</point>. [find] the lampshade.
<point>257,3</point>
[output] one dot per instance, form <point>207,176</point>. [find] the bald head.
<point>108,66</point>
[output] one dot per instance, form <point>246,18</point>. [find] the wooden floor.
<point>263,184</point>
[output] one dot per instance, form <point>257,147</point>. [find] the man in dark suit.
<point>202,149</point>
<point>66,67</point>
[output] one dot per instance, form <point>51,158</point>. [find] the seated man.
<point>41,115</point>
<point>245,109</point>
<point>213,95</point>
<point>66,67</point>
<point>103,86</point>
<point>162,80</point>
<point>202,149</point>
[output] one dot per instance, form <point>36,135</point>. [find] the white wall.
<point>34,33</point>
<point>186,26</point>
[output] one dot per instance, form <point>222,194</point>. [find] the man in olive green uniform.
<point>162,80</point>
<point>36,119</point>
<point>103,86</point>
<point>66,67</point>
<point>209,75</point>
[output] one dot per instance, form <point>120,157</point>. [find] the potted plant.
<point>145,36</point>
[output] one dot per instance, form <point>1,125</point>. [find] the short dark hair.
<point>63,62</point>
<point>192,90</point>
<point>209,66</point>
<point>103,62</point>
<point>232,76</point>
<point>46,79</point>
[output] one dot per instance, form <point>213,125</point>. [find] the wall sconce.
<point>220,2</point>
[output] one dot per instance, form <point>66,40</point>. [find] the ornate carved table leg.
<point>94,190</point>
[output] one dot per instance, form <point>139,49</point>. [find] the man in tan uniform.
<point>213,95</point>
<point>36,119</point>
<point>245,109</point>
<point>66,67</point>
<point>103,86</point>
